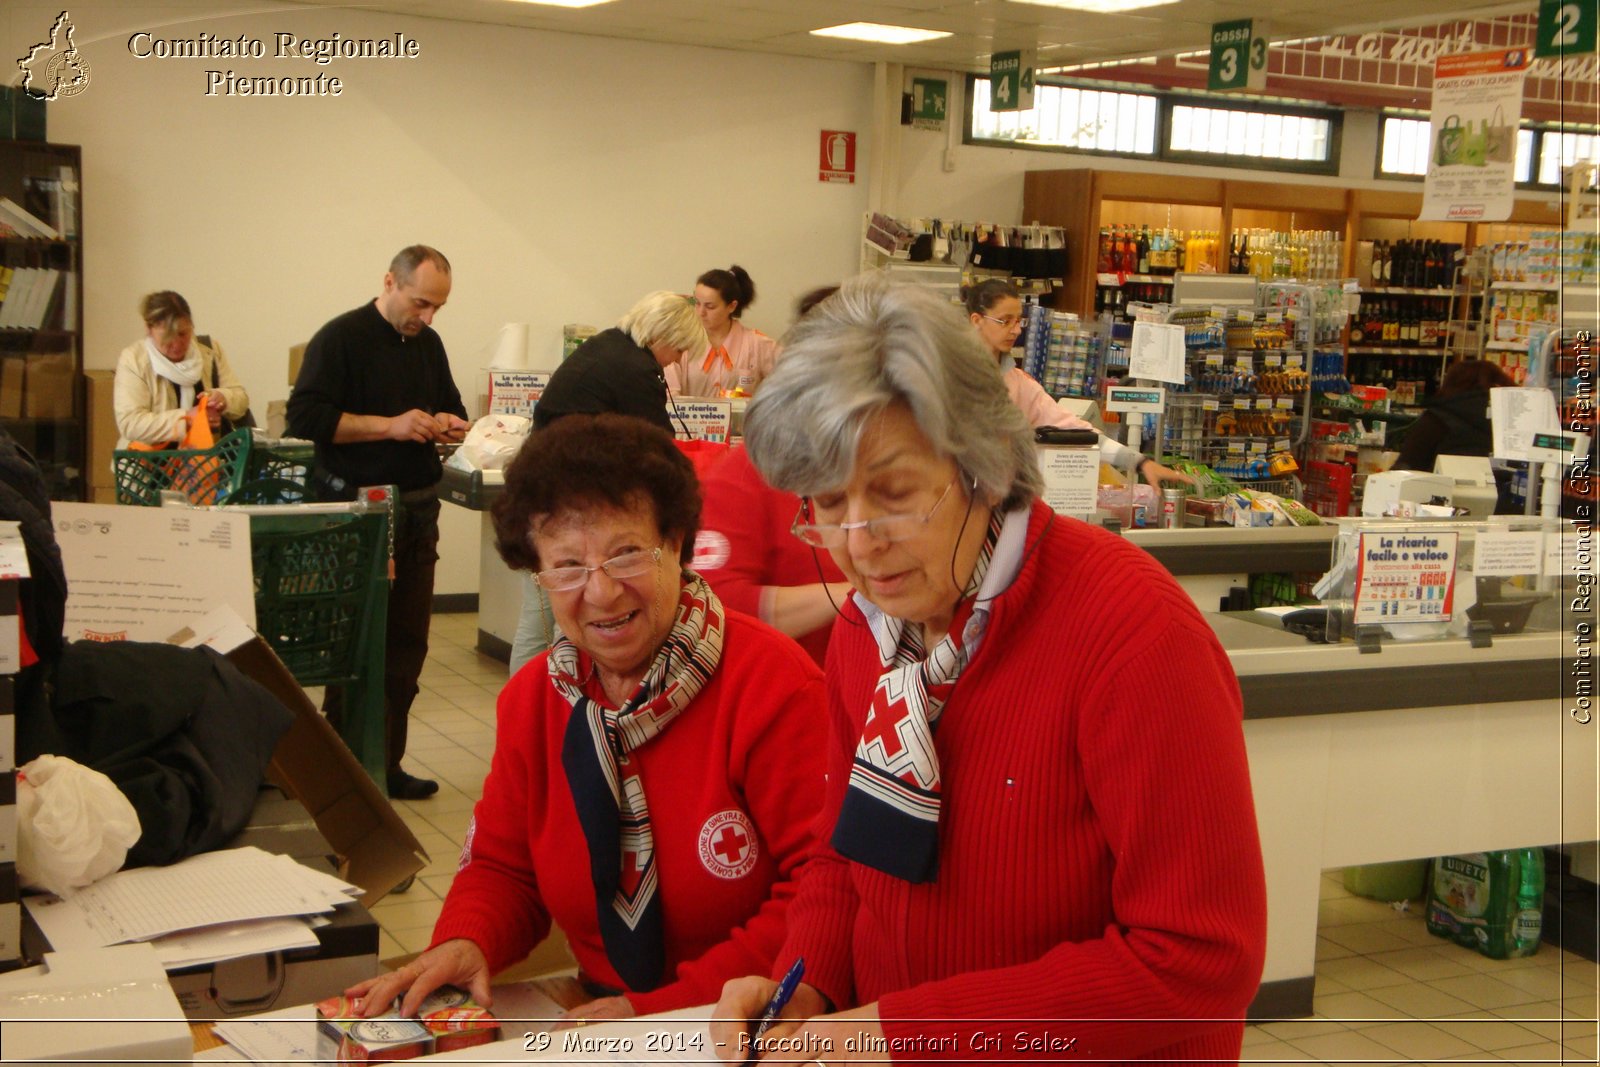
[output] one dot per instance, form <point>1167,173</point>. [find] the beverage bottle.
<point>1103,258</point>
<point>1391,325</point>
<point>1180,252</point>
<point>1358,326</point>
<point>1127,258</point>
<point>1379,252</point>
<point>1528,924</point>
<point>1141,250</point>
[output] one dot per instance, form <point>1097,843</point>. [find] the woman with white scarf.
<point>159,377</point>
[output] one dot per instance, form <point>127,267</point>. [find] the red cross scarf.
<point>890,816</point>
<point>609,796</point>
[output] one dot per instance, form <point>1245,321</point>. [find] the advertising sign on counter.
<point>1071,478</point>
<point>1406,576</point>
<point>516,392</point>
<point>1472,156</point>
<point>703,420</point>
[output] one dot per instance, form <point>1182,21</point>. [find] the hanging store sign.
<point>1566,27</point>
<point>1477,105</point>
<point>837,161</point>
<point>928,103</point>
<point>1011,76</point>
<point>1238,56</point>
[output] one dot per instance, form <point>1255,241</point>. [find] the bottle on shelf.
<point>1103,256</point>
<point>1141,249</point>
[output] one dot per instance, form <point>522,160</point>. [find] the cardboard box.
<point>103,494</point>
<point>51,385</point>
<point>100,1005</point>
<point>13,371</point>
<point>102,427</point>
<point>312,764</point>
<point>297,355</point>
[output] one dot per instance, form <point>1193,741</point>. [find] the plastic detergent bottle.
<point>1490,901</point>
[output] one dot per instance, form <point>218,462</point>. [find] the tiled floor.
<point>1387,991</point>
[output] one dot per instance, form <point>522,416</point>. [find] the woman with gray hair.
<point>1037,779</point>
<point>621,369</point>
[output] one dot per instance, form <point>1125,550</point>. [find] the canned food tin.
<point>1172,508</point>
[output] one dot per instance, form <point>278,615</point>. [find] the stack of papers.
<point>215,906</point>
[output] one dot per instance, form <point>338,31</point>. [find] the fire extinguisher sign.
<point>837,161</point>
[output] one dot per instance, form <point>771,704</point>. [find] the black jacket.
<point>607,373</point>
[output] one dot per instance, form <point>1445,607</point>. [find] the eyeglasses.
<point>627,565</point>
<point>1007,323</point>
<point>883,528</point>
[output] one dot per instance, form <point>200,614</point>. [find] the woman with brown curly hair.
<point>675,745</point>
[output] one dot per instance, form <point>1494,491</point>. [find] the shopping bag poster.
<point>1472,156</point>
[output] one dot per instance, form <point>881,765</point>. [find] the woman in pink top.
<point>738,357</point>
<point>995,308</point>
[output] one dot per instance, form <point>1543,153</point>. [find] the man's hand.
<point>414,425</point>
<point>451,428</point>
<point>458,962</point>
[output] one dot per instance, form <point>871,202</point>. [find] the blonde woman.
<point>621,369</point>
<point>159,377</point>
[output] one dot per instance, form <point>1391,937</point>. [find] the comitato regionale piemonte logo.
<point>54,69</point>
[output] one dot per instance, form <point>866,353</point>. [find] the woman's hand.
<point>743,1002</point>
<point>854,1036</point>
<point>1155,474</point>
<point>595,1010</point>
<point>458,962</point>
<point>214,405</point>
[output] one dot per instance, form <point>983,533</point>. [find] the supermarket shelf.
<point>1526,287</point>
<point>1506,346</point>
<point>1362,350</point>
<point>1400,290</point>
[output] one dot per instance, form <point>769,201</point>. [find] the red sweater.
<point>741,763</point>
<point>745,545</point>
<point>1098,856</point>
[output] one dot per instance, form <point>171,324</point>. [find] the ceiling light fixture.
<point>565,3</point>
<point>1098,7</point>
<point>878,33</point>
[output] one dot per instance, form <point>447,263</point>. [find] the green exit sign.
<point>1566,27</point>
<point>1238,56</point>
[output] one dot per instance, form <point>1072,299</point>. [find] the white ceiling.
<point>978,27</point>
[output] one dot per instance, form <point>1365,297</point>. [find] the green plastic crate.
<point>204,475</point>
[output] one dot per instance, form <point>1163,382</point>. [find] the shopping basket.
<point>322,598</point>
<point>204,475</point>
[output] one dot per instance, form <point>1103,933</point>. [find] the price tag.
<point>1274,360</point>
<point>1294,361</point>
<point>1236,447</point>
<point>1241,403</point>
<point>1244,315</point>
<point>1244,363</point>
<point>1209,404</point>
<point>1107,280</point>
<point>1263,403</point>
<point>1286,403</point>
<point>1219,312</point>
<point>1281,444</point>
<point>1214,360</point>
<point>1274,318</point>
<point>1258,448</point>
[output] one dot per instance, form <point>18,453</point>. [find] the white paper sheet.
<point>13,551</point>
<point>1515,415</point>
<point>1156,352</point>
<point>133,573</point>
<point>216,887</point>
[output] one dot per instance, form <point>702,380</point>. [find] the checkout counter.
<point>499,587</point>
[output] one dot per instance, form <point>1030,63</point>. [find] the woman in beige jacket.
<point>159,377</point>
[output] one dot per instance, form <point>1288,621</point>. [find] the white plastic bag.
<point>74,826</point>
<point>492,443</point>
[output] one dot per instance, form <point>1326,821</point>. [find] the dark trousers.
<point>416,551</point>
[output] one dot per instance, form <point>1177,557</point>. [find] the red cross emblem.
<point>729,845</point>
<point>880,725</point>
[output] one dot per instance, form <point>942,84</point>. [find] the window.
<point>1080,118</point>
<point>1404,144</point>
<point>1255,134</point>
<point>1559,150</point>
<point>1087,120</point>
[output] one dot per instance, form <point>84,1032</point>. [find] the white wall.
<point>564,176</point>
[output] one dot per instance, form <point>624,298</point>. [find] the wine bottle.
<point>1141,250</point>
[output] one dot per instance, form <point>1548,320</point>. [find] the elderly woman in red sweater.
<point>656,773</point>
<point>1037,803</point>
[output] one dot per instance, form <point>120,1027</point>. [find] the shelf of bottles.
<point>1136,264</point>
<point>1062,353</point>
<point>1244,406</point>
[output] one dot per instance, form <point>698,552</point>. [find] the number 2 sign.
<point>1566,27</point>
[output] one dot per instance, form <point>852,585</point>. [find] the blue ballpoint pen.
<point>780,997</point>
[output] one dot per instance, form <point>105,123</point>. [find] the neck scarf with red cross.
<point>890,816</point>
<point>607,790</point>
